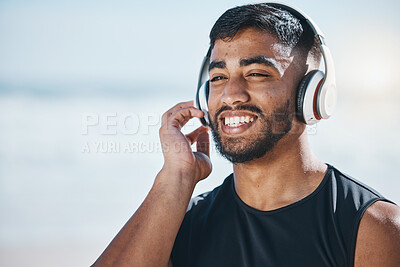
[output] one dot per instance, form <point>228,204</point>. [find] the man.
<point>281,206</point>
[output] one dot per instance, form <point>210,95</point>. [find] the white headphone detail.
<point>316,94</point>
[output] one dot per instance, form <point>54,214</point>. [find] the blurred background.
<point>83,85</point>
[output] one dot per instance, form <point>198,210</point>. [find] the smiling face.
<point>253,81</point>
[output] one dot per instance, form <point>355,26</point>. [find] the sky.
<point>127,43</point>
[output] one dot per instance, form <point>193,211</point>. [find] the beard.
<point>244,149</point>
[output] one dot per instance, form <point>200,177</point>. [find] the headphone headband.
<point>300,15</point>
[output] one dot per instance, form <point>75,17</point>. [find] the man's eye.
<point>258,75</point>
<point>217,78</point>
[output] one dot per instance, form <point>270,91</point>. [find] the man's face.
<point>252,91</point>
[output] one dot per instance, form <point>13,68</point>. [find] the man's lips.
<point>236,122</point>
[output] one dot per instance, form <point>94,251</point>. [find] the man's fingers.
<point>169,112</point>
<point>181,116</point>
<point>203,143</point>
<point>192,137</point>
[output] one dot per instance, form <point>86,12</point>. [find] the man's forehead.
<point>251,43</point>
<point>251,50</point>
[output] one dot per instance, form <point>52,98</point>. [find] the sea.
<point>76,164</point>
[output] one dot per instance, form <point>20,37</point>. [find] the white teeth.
<point>236,121</point>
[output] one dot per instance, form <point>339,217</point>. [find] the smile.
<point>237,121</point>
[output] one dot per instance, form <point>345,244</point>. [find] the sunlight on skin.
<point>282,53</point>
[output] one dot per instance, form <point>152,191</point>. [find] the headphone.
<point>316,93</point>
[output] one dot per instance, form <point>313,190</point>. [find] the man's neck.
<point>283,176</point>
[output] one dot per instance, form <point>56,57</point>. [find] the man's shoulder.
<point>207,199</point>
<point>346,188</point>
<point>378,240</point>
<point>367,218</point>
<point>348,182</point>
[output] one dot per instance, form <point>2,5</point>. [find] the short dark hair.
<point>291,31</point>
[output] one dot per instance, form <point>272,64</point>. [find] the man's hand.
<point>148,236</point>
<point>178,154</point>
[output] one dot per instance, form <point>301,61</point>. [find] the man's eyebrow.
<point>217,64</point>
<point>259,60</point>
<point>246,62</point>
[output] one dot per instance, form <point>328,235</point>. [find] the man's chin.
<point>240,150</point>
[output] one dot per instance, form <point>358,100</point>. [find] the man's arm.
<point>148,237</point>
<point>378,239</point>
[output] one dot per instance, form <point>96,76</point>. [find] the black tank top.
<point>219,229</point>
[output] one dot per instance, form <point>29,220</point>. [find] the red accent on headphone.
<point>316,115</point>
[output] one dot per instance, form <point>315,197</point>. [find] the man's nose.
<point>235,92</point>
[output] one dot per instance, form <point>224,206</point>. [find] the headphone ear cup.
<point>301,92</point>
<point>308,92</point>
<point>202,102</point>
<point>207,91</point>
